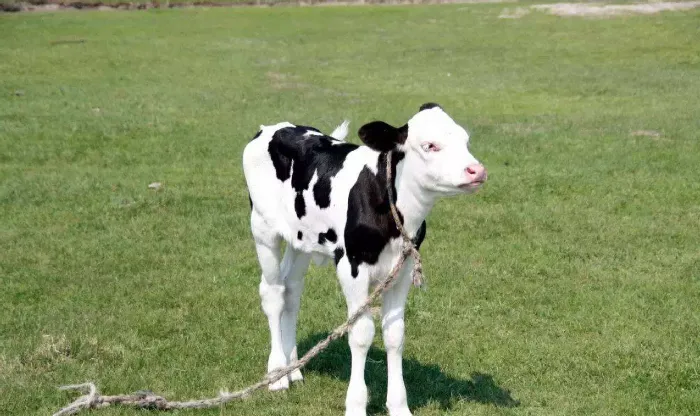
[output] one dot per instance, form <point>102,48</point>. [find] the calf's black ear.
<point>381,136</point>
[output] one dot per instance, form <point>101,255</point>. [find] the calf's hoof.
<point>281,384</point>
<point>400,412</point>
<point>355,411</point>
<point>296,376</point>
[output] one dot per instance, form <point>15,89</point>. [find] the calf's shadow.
<point>425,383</point>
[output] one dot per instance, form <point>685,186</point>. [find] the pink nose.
<point>476,172</point>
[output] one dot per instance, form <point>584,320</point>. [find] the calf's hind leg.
<point>267,245</point>
<point>294,267</point>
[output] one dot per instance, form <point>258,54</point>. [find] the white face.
<point>437,150</point>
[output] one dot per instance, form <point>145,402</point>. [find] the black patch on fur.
<point>329,235</point>
<point>322,193</point>
<point>370,225</point>
<point>309,128</point>
<point>381,136</point>
<point>354,268</point>
<point>250,200</point>
<point>291,149</point>
<point>300,235</point>
<point>338,254</point>
<point>428,106</point>
<point>299,205</point>
<point>256,135</point>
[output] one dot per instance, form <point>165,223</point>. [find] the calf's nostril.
<point>470,170</point>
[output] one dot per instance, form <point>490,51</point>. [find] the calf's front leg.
<point>393,307</point>
<point>360,338</point>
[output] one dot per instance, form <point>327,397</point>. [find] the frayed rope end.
<point>82,402</point>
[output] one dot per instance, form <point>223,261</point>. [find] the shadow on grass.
<point>425,383</point>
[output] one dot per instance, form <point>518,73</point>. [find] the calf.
<point>328,199</point>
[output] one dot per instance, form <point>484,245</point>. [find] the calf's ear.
<point>381,136</point>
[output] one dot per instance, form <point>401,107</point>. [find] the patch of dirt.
<point>515,13</point>
<point>56,5</point>
<point>582,9</point>
<point>599,10</point>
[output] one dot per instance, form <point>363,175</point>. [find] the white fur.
<point>341,132</point>
<point>422,177</point>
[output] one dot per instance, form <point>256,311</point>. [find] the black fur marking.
<point>256,135</point>
<point>322,193</point>
<point>299,205</point>
<point>381,136</point>
<point>309,128</point>
<point>428,106</point>
<point>329,235</point>
<point>370,225</point>
<point>354,268</point>
<point>338,254</point>
<point>250,200</point>
<point>279,154</point>
<point>300,235</point>
<point>309,154</point>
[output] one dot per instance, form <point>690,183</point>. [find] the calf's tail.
<point>341,132</point>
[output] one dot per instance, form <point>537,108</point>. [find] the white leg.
<point>360,339</point>
<point>294,267</point>
<point>393,307</point>
<point>267,245</point>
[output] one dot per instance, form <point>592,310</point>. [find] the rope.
<point>408,243</point>
<point>92,399</point>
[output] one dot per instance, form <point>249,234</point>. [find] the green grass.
<point>570,285</point>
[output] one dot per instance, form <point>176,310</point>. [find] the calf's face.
<point>436,148</point>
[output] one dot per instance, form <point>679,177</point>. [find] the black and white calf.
<point>328,200</point>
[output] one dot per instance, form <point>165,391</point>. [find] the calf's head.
<point>436,148</point>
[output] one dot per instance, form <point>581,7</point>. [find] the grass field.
<point>570,285</point>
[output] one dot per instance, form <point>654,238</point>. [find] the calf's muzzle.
<point>476,174</point>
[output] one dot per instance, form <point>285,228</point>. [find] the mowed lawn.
<point>570,285</point>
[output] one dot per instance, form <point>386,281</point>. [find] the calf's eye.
<point>430,147</point>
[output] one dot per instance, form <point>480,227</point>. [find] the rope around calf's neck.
<point>92,399</point>
<point>408,243</point>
